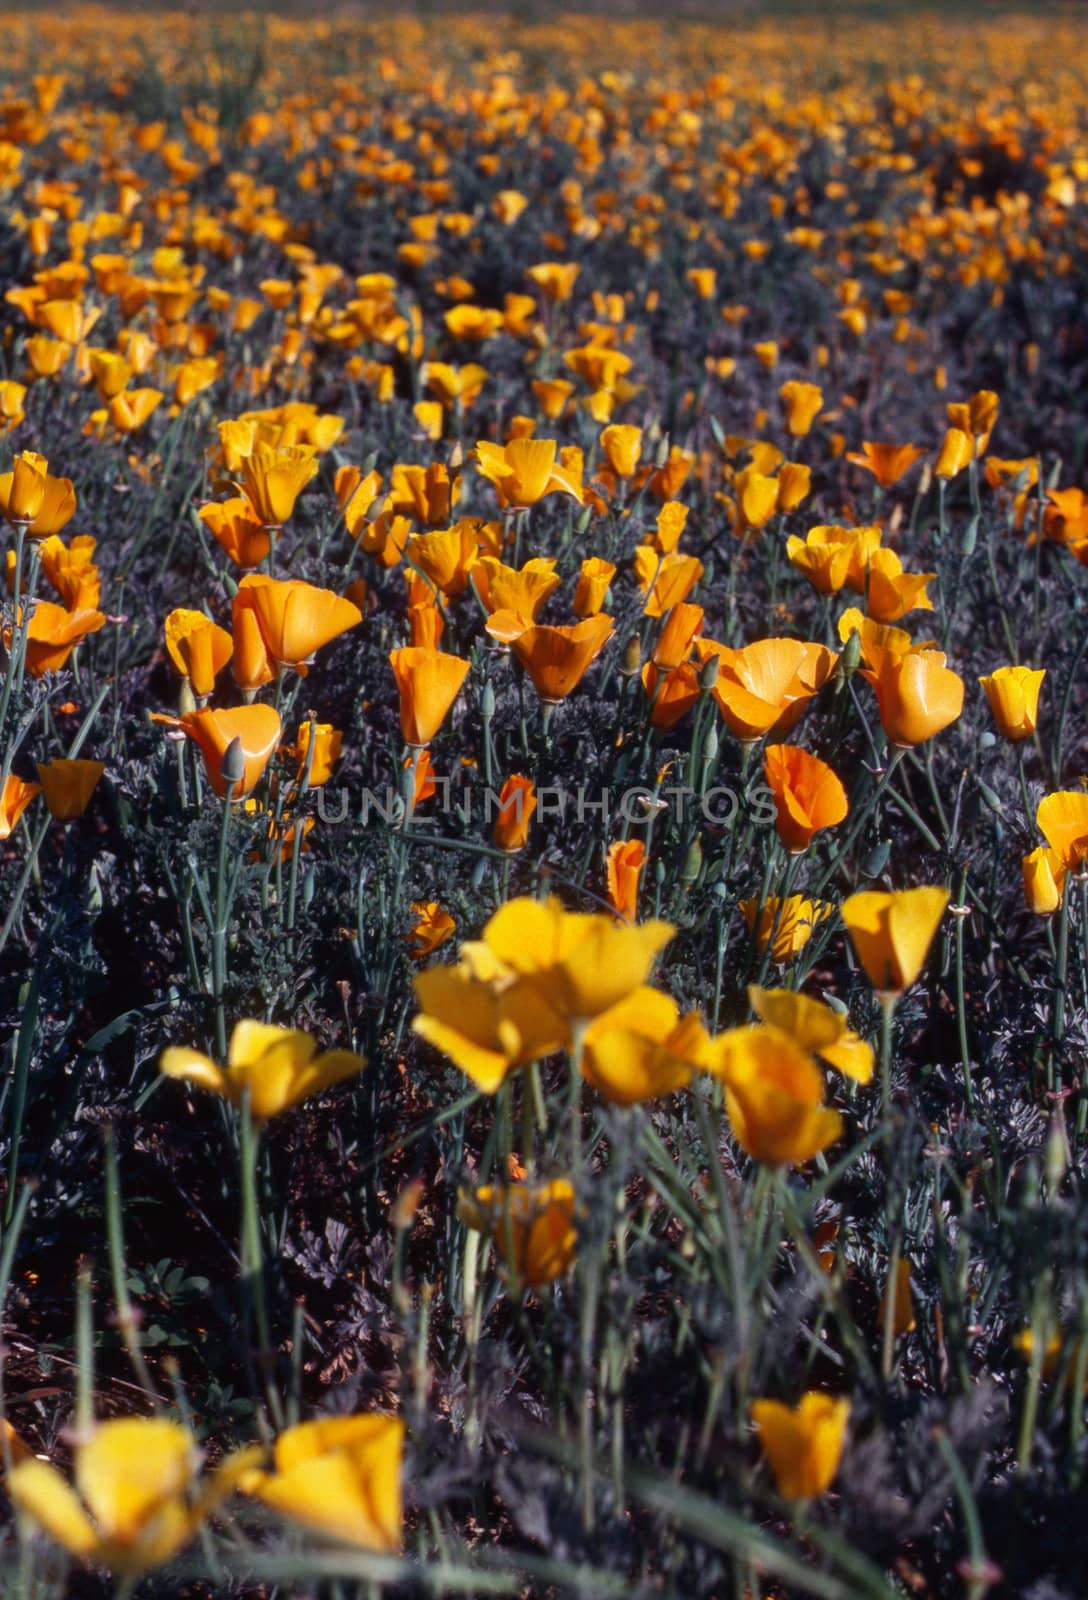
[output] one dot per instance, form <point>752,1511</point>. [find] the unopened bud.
<point>851,655</point>
<point>631,665</point>
<point>693,863</point>
<point>232,769</point>
<point>487,701</point>
<point>457,458</point>
<point>708,677</point>
<point>662,456</point>
<point>585,517</point>
<point>186,698</point>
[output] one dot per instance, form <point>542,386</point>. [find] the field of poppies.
<point>544,806</point>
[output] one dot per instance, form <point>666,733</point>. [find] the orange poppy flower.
<point>70,569</point>
<point>665,580</point>
<point>682,623</point>
<point>30,495</point>
<point>53,634</point>
<point>16,796</point>
<point>625,862</point>
<point>68,786</point>
<point>273,477</point>
<point>522,590</point>
<point>672,694</point>
<point>556,659</point>
<point>594,579</point>
<point>523,471</point>
<point>893,592</point>
<point>428,682</point>
<point>887,462</point>
<point>622,445</point>
<point>766,685</point>
<point>256,727</point>
<point>801,402</point>
<point>517,802</point>
<point>237,529</point>
<point>808,795</point>
<point>198,648</point>
<point>295,618</point>
<point>445,556</point>
<point>918,695</point>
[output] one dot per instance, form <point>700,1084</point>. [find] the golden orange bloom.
<point>622,445</point>
<point>666,580</point>
<point>794,482</point>
<point>70,569</point>
<point>327,742</point>
<point>427,494</point>
<point>917,693</point>
<point>53,634</point>
<point>252,668</point>
<point>774,1094</point>
<point>68,786</point>
<point>129,410</point>
<point>273,477</point>
<point>594,578</point>
<point>625,862</point>
<point>791,921</point>
<point>831,557</point>
<point>16,796</point>
<point>446,556</point>
<point>808,795</point>
<point>275,1067</point>
<point>892,933</point>
<point>682,623</point>
<point>756,498</point>
<point>1044,873</point>
<point>523,471</point>
<point>893,592</point>
<point>257,728</point>
<point>801,402</point>
<point>641,1048</point>
<point>532,1228</point>
<point>521,590</point>
<point>672,693</point>
<point>237,529</point>
<point>517,802</point>
<point>1013,693</point>
<point>887,462</point>
<point>340,1478</point>
<point>957,449</point>
<point>804,1444</point>
<point>428,682</point>
<point>1062,819</point>
<point>557,659</point>
<point>555,279</point>
<point>433,926</point>
<point>295,618</point>
<point>30,495</point>
<point>816,1028</point>
<point>198,648</point>
<point>765,686</point>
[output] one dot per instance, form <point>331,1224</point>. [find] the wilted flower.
<point>198,648</point>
